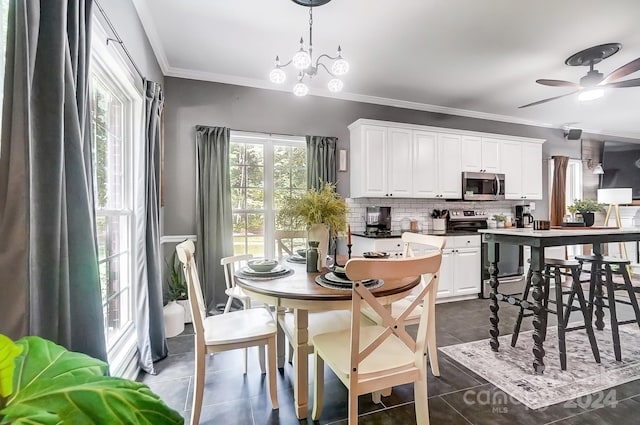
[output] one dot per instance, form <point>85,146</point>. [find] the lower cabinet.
<point>460,271</point>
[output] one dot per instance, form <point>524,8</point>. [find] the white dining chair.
<point>412,243</point>
<point>373,358</point>
<point>230,265</point>
<point>223,332</point>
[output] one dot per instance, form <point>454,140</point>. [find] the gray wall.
<point>191,102</point>
<point>124,17</point>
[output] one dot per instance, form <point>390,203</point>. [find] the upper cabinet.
<point>521,164</point>
<point>480,154</point>
<point>412,161</point>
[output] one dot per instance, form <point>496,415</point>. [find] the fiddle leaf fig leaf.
<point>88,399</point>
<point>8,353</point>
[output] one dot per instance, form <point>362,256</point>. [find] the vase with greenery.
<point>43,383</point>
<point>586,208</point>
<point>319,211</point>
<point>500,219</point>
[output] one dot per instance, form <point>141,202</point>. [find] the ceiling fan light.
<point>340,67</point>
<point>301,59</point>
<point>335,85</point>
<point>277,76</point>
<point>300,89</point>
<point>590,94</point>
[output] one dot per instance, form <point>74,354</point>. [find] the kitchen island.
<point>538,240</point>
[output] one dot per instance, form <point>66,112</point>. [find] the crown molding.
<point>267,85</point>
<point>144,14</point>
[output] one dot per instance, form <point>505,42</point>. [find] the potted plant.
<point>587,208</point>
<point>319,211</point>
<point>500,219</point>
<point>177,287</point>
<point>43,383</point>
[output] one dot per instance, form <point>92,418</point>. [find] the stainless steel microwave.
<point>482,186</point>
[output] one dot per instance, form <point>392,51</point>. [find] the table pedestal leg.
<point>539,310</point>
<point>494,257</point>
<point>301,363</point>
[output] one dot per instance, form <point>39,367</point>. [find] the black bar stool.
<point>554,269</point>
<point>600,266</point>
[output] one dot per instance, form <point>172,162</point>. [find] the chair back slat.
<point>229,265</point>
<point>360,270</point>
<point>282,235</point>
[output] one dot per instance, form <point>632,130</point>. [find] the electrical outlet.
<point>532,206</point>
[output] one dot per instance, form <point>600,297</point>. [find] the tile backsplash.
<point>420,209</point>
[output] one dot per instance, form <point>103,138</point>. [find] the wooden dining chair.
<point>282,236</point>
<point>373,358</point>
<point>416,242</point>
<point>223,332</point>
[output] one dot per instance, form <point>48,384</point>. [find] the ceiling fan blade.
<point>547,100</point>
<point>557,83</point>
<point>623,71</point>
<point>635,82</point>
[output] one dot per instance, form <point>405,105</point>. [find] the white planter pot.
<point>187,310</point>
<point>173,315</point>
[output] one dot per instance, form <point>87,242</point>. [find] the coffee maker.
<point>378,220</point>
<point>524,218</point>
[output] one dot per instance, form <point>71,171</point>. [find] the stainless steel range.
<point>511,263</point>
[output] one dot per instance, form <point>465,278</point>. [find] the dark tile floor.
<point>458,396</point>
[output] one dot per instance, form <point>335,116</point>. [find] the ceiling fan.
<point>591,85</point>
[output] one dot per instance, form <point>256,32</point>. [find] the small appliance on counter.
<point>377,220</point>
<point>524,218</point>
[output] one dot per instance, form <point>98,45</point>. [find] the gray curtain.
<point>152,345</point>
<point>321,161</point>
<point>214,225</point>
<point>48,252</point>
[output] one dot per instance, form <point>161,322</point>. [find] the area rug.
<point>511,369</point>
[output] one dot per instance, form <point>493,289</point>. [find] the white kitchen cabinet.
<point>363,244</point>
<point>460,274</point>
<point>521,164</point>
<point>381,162</point>
<point>399,162</point>
<point>436,165</point>
<point>448,166</point>
<point>480,154</point>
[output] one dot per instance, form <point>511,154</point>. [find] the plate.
<point>375,254</point>
<point>331,277</point>
<point>347,286</point>
<point>279,269</point>
<point>296,259</point>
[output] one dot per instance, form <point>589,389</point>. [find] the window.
<point>265,171</point>
<point>115,124</point>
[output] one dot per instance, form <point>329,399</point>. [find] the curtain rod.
<point>118,40</point>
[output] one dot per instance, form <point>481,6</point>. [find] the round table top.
<point>302,286</point>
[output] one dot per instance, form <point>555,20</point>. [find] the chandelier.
<point>303,61</point>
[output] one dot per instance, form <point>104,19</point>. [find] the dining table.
<point>538,240</point>
<point>299,292</point>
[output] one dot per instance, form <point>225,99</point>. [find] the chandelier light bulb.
<point>590,94</point>
<point>340,67</point>
<point>277,75</point>
<point>335,85</point>
<point>300,89</point>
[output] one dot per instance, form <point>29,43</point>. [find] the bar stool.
<point>553,269</point>
<point>600,266</point>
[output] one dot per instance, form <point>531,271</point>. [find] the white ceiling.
<point>467,57</point>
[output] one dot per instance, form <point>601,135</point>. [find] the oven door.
<point>482,186</point>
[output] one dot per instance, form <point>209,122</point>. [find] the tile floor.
<point>458,396</point>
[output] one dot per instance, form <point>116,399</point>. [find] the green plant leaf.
<point>8,352</point>
<point>88,400</point>
<point>42,359</point>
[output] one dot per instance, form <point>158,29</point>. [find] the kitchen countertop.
<point>398,234</point>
